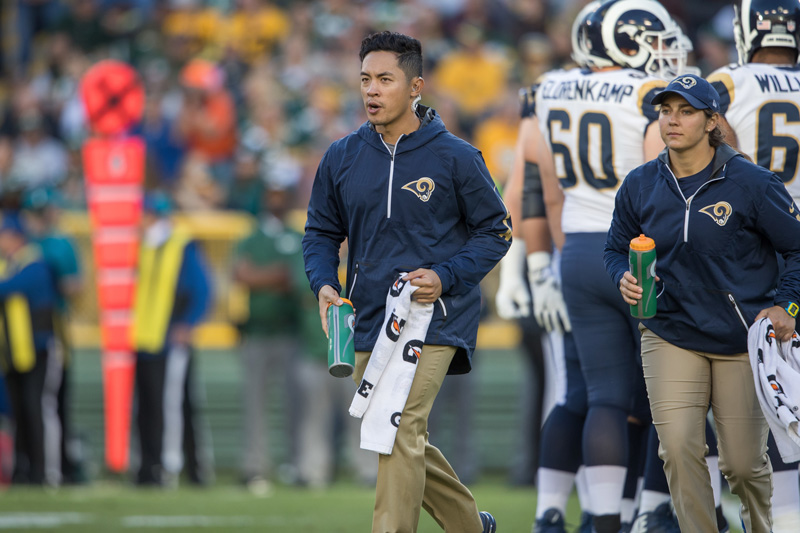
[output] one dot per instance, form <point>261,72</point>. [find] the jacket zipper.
<point>391,175</point>
<point>444,307</point>
<point>735,306</point>
<point>689,201</point>
<point>353,285</point>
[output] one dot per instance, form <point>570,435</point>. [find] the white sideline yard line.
<point>42,520</point>
<point>195,521</point>
<point>18,521</point>
<point>181,521</point>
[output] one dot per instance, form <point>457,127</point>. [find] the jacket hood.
<point>430,126</point>
<point>722,155</point>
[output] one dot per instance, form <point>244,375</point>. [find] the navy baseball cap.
<point>698,92</point>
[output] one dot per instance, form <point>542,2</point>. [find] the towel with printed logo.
<point>383,391</point>
<point>776,371</point>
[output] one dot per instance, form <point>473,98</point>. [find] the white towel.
<point>384,389</point>
<point>776,371</point>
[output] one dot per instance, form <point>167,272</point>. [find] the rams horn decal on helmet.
<point>637,34</point>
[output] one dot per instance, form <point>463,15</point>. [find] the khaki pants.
<point>416,474</point>
<point>680,384</point>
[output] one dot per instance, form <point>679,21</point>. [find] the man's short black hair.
<point>408,50</point>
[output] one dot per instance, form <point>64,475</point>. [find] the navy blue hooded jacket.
<point>714,248</point>
<point>431,205</point>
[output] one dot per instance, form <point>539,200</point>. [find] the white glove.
<point>512,298</point>
<point>548,302</point>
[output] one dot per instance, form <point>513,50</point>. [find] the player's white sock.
<point>627,508</point>
<point>650,499</point>
<point>553,490</point>
<point>583,490</point>
<point>606,484</point>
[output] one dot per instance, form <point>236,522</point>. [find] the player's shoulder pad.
<point>722,80</point>
<point>647,91</point>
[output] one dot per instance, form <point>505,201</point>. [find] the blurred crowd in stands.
<point>239,91</point>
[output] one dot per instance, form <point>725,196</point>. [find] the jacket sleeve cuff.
<point>445,277</point>
<point>317,286</point>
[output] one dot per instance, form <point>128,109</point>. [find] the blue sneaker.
<point>488,521</point>
<point>552,521</point>
<point>659,520</point>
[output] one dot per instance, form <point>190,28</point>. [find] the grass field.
<point>109,506</point>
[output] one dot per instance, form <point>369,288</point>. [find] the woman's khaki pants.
<point>680,385</point>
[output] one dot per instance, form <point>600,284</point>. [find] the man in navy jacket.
<point>409,197</point>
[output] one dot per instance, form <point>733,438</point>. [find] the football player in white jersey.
<point>565,406</point>
<point>598,125</point>
<point>760,101</point>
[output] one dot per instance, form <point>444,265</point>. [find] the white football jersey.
<point>762,104</point>
<point>594,124</point>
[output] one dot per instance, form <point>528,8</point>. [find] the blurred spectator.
<point>36,159</point>
<point>269,263</point>
<point>247,189</point>
<point>60,255</point>
<point>31,367</point>
<point>207,118</point>
<point>535,58</point>
<point>165,151</point>
<point>452,420</point>
<point>25,98</point>
<point>188,27</point>
<point>256,28</point>
<point>173,294</point>
<point>475,76</point>
<point>33,17</point>
<point>496,137</point>
<point>82,26</point>
<point>196,189</point>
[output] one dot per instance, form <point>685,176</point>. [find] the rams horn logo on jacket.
<point>719,211</point>
<point>422,187</point>
<point>792,211</point>
<point>687,82</point>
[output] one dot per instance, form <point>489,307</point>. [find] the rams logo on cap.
<point>719,211</point>
<point>422,187</point>
<point>687,82</point>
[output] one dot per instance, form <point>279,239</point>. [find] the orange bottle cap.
<point>642,243</point>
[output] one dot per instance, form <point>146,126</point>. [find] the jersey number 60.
<point>594,133</point>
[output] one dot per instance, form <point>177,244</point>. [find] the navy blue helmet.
<point>766,23</point>
<point>637,34</point>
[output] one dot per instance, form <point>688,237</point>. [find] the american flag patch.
<point>764,25</point>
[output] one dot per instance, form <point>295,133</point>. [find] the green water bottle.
<point>642,260</point>
<point>341,347</point>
